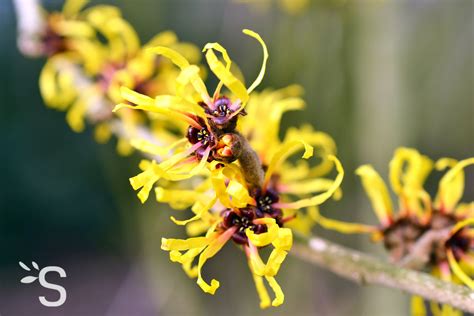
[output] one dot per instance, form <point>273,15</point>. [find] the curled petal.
<point>199,208</point>
<point>323,144</point>
<point>178,199</point>
<point>261,291</point>
<point>451,186</point>
<point>319,198</point>
<point>208,253</point>
<point>417,169</point>
<point>460,225</point>
<point>285,151</point>
<point>228,62</point>
<point>57,87</point>
<point>340,226</point>
<point>378,193</point>
<point>266,238</point>
<point>259,78</point>
<point>454,265</point>
<point>279,296</point>
<point>180,61</point>
<point>310,186</point>
<point>226,77</point>
<point>282,245</point>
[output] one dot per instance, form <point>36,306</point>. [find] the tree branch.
<point>364,269</point>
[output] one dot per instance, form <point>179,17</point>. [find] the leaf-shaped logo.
<point>28,279</point>
<point>35,265</point>
<point>24,266</point>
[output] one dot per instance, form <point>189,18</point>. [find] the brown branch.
<point>364,269</point>
<point>251,164</point>
<point>419,254</point>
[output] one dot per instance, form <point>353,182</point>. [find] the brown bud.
<point>229,148</point>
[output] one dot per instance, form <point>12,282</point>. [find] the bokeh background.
<point>377,74</point>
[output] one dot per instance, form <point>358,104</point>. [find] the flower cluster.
<point>248,192</point>
<point>245,187</point>
<point>221,156</point>
<point>433,234</point>
<point>92,53</point>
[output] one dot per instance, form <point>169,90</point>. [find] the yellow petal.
<point>286,150</point>
<point>342,227</point>
<point>323,144</point>
<point>102,133</point>
<point>322,197</point>
<point>457,269</point>
<point>310,186</point>
<point>135,97</point>
<point>165,38</point>
<point>266,238</point>
<point>226,77</point>
<point>259,78</point>
<point>460,225</point>
<point>378,193</point>
<point>282,245</point>
<point>184,244</point>
<point>239,193</point>
<point>75,115</point>
<point>56,86</point>
<point>261,291</point>
<point>227,61</point>
<point>180,61</point>
<point>451,186</point>
<point>146,179</point>
<point>72,7</point>
<point>175,57</point>
<point>208,253</point>
<point>71,28</point>
<point>417,168</point>
<point>199,208</point>
<point>279,296</point>
<point>178,199</point>
<point>418,306</point>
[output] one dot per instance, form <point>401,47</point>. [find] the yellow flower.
<point>84,76</point>
<point>229,208</point>
<point>262,128</point>
<point>451,258</point>
<point>211,120</point>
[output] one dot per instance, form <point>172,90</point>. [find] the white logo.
<point>42,280</point>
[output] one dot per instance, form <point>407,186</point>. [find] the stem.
<point>420,253</point>
<point>364,269</point>
<point>31,25</point>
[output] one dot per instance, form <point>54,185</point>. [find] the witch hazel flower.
<point>250,216</point>
<point>211,121</point>
<point>434,234</point>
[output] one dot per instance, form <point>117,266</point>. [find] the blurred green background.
<point>377,75</point>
